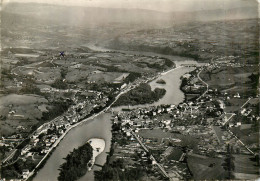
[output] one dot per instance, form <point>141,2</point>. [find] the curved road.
<point>198,75</point>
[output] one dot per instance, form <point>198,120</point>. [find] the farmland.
<point>204,168</point>
<point>19,112</point>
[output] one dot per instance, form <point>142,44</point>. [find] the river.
<point>100,126</point>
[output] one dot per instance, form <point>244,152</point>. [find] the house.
<point>128,133</point>
<point>237,95</point>
<point>230,125</point>
<point>52,140</point>
<point>168,109</point>
<point>45,150</point>
<point>243,111</point>
<point>172,106</point>
<point>35,136</point>
<point>123,86</point>
<point>36,140</point>
<point>238,124</point>
<point>29,154</point>
<point>48,143</point>
<point>25,173</point>
<point>61,131</point>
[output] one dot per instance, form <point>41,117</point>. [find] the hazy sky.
<point>159,5</point>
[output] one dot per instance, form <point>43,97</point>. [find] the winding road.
<point>207,86</point>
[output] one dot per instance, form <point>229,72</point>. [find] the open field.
<point>162,136</point>
<point>108,77</point>
<point>245,168</point>
<point>247,136</point>
<point>205,167</point>
<point>230,79</point>
<point>20,110</point>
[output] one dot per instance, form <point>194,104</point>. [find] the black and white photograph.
<point>129,90</point>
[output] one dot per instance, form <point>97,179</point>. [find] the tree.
<point>229,165</point>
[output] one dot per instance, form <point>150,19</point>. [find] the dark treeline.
<point>255,80</point>
<point>76,164</point>
<point>58,108</point>
<point>117,170</point>
<point>60,84</point>
<point>132,77</point>
<point>142,94</point>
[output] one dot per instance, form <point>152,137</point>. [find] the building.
<point>25,173</point>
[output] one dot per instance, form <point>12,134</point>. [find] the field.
<point>234,104</point>
<point>20,110</point>
<point>246,135</point>
<point>219,133</point>
<point>230,79</point>
<point>109,77</point>
<point>245,168</point>
<point>163,136</point>
<point>206,168</point>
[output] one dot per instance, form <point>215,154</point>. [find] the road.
<point>207,86</point>
<point>235,135</point>
<point>246,102</point>
<point>232,114</point>
<point>153,159</point>
<point>248,149</point>
<point>9,156</point>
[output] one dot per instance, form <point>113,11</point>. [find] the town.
<point>170,141</point>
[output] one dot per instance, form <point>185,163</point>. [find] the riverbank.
<point>98,146</point>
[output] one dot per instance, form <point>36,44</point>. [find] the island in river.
<point>81,159</point>
<point>160,81</point>
<point>143,94</point>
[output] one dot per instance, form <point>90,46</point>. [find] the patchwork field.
<point>19,112</point>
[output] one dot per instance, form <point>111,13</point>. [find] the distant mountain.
<point>85,15</point>
<point>219,14</point>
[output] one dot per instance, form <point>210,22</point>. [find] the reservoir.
<point>100,126</point>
